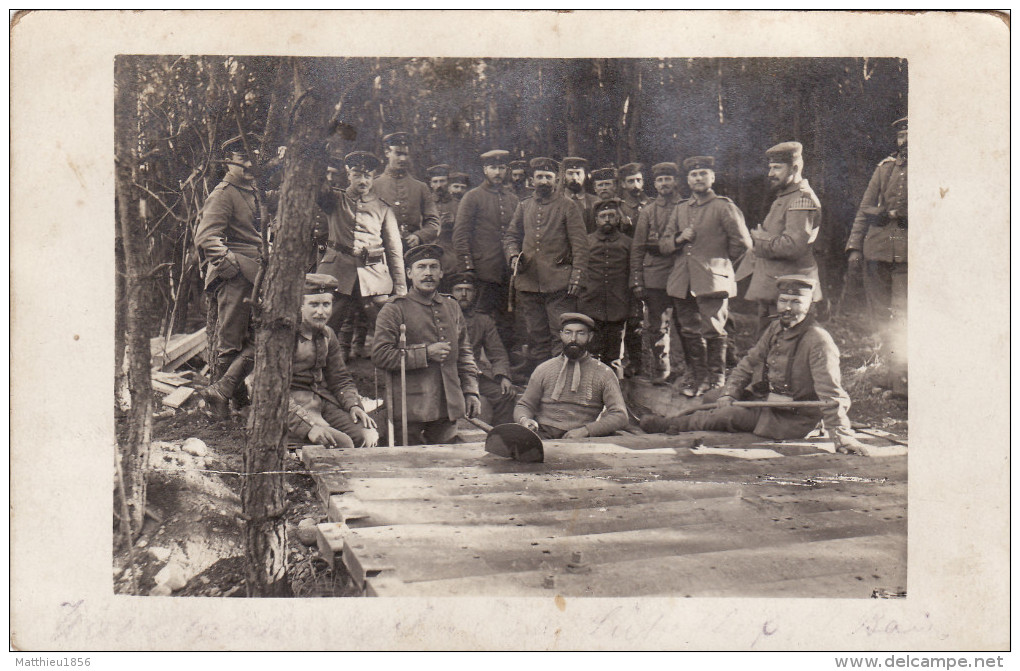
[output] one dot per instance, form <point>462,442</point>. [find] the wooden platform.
<point>623,516</point>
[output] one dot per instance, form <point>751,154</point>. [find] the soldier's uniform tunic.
<point>229,239</point>
<point>364,251</point>
<point>412,203</point>
<point>883,241</point>
<point>435,390</point>
<point>606,297</point>
<point>549,235</point>
<point>493,363</point>
<point>792,224</point>
<point>322,392</point>
<point>586,203</point>
<point>446,206</point>
<point>650,269</point>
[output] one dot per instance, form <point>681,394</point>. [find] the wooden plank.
<point>858,565</point>
<point>163,387</point>
<point>178,397</point>
<point>169,354</point>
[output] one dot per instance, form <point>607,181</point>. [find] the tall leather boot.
<point>218,395</point>
<point>715,354</point>
<point>693,383</point>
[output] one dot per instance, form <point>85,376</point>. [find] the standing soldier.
<point>632,186</point>
<point>704,235</point>
<point>446,206</point>
<point>229,240</point>
<point>363,251</point>
<point>879,238</point>
<point>574,175</point>
<point>783,243</point>
<point>606,298</point>
<point>650,269</point>
<point>519,179</point>
<point>442,379</point>
<point>482,216</point>
<point>410,199</point>
<point>604,182</point>
<point>547,247</point>
<point>494,385</point>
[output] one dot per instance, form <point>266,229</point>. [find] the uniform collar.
<point>491,188</point>
<point>797,329</point>
<point>901,160</point>
<point>793,188</point>
<point>396,173</point>
<point>367,198</point>
<point>662,201</point>
<point>696,203</point>
<point>239,182</point>
<point>631,200</point>
<point>612,236</point>
<point>416,296</point>
<point>544,201</point>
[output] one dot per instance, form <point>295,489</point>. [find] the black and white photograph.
<point>625,333</point>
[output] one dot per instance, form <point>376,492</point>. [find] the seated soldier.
<point>324,406</point>
<point>567,393</point>
<point>794,360</point>
<point>494,383</point>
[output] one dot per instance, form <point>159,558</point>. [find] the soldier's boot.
<point>217,396</point>
<point>715,355</point>
<point>694,381</point>
<point>731,351</point>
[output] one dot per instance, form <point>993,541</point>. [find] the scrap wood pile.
<point>171,354</point>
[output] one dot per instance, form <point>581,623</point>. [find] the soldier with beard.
<point>575,171</point>
<point>606,298</point>
<point>460,182</point>
<point>567,394</point>
<point>547,245</point>
<point>632,186</point>
<point>795,359</point>
<point>519,179</point>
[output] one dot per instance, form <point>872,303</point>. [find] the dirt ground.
<point>195,499</point>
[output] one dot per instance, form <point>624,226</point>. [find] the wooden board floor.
<point>624,516</point>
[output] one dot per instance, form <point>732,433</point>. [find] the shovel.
<point>512,441</point>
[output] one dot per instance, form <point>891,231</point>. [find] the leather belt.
<point>364,257</point>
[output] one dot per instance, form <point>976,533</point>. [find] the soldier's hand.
<point>528,423</point>
<point>579,432</point>
<point>574,290</point>
<point>514,263</point>
<point>687,235</point>
<point>412,241</point>
<point>848,444</point>
<point>640,293</point>
<point>371,438</point>
<point>438,351</point>
<point>359,416</point>
<point>724,401</point>
<point>321,435</point>
<point>506,387</point>
<point>473,406</point>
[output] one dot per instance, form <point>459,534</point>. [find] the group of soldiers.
<point>528,279</point>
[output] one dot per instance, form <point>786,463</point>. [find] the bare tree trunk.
<point>138,283</point>
<point>262,495</point>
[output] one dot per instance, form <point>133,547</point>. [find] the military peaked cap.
<point>462,278</point>
<point>576,317</point>
<point>786,152</point>
<point>545,164</point>
<point>362,160</point>
<point>441,170</point>
<point>398,139</point>
<point>796,285</point>
<point>900,124</point>
<point>575,162</point>
<point>603,174</point>
<point>495,157</point>
<point>460,178</point>
<point>699,163</point>
<point>631,169</point>
<point>319,283</point>
<point>518,165</point>
<point>236,144</point>
<point>666,168</point>
<point>422,252</point>
<point>606,204</point>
